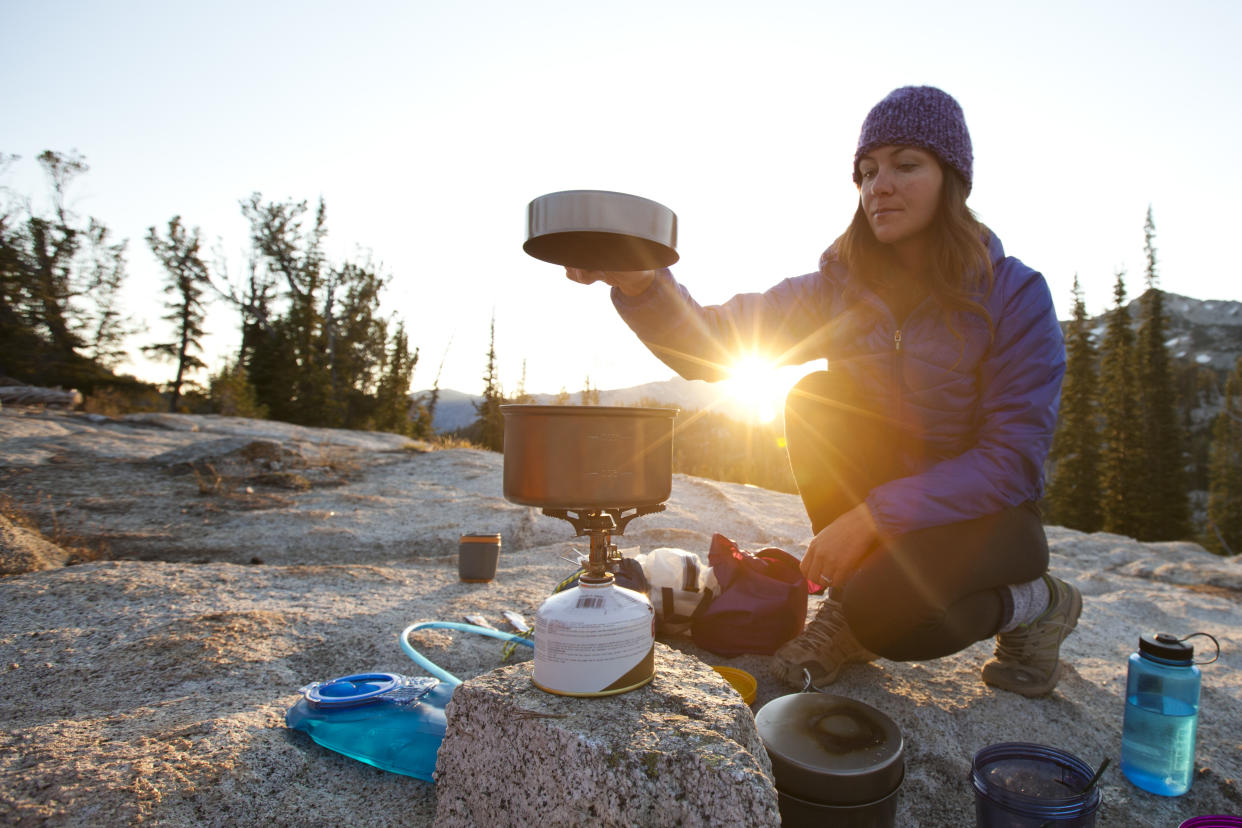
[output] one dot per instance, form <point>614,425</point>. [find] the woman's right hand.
<point>835,554</point>
<point>629,282</point>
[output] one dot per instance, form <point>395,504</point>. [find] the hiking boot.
<point>1027,659</point>
<point>820,651</point>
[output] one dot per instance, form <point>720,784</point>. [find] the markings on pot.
<point>609,474</point>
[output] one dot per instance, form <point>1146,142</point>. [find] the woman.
<point>919,453</point>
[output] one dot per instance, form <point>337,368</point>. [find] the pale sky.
<point>428,127</point>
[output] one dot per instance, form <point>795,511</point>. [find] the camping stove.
<point>598,638</point>
<point>577,463</point>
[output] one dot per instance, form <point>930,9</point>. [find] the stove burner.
<point>600,525</point>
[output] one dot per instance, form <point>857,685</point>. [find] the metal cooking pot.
<point>799,813</point>
<point>831,753</point>
<point>588,457</point>
<point>601,230</point>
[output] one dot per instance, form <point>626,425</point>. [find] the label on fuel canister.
<point>594,640</point>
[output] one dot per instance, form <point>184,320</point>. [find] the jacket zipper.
<point>897,394</point>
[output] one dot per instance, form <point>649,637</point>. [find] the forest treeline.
<point>1127,456</point>
<point>315,349</point>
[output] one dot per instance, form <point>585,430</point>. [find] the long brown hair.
<point>959,268</point>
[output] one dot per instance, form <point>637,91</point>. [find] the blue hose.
<point>444,675</point>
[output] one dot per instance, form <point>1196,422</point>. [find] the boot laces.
<point>1042,638</point>
<point>827,626</point>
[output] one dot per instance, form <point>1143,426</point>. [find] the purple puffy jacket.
<point>986,409</point>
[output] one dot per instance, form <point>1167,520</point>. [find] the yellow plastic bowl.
<point>743,682</point>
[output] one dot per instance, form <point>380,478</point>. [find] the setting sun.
<point>758,388</point>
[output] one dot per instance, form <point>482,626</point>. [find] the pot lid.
<point>601,230</point>
<point>831,749</point>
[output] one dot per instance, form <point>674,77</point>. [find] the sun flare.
<point>758,387</point>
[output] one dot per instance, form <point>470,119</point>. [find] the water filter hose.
<point>442,674</point>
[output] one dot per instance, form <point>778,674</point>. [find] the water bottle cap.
<point>1166,646</point>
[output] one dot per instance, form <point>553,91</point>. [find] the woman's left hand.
<point>836,552</point>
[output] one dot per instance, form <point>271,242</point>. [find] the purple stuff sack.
<point>761,605</point>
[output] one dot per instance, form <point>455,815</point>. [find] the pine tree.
<point>521,396</point>
<point>357,350</point>
<point>589,395</point>
<point>313,341</point>
<point>1074,490</point>
<point>60,281</point>
<point>292,376</point>
<point>54,243</point>
<point>1224,531</point>
<point>427,405</point>
<point>108,325</point>
<point>490,424</point>
<point>279,326</point>
<point>254,298</point>
<point>19,336</point>
<point>187,280</point>
<point>433,400</point>
<point>1164,501</point>
<point>1120,459</point>
<point>232,395</point>
<point>392,404</point>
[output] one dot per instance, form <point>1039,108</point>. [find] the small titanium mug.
<point>477,553</point>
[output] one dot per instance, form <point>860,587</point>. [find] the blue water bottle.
<point>1162,714</point>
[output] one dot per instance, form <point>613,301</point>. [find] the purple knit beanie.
<point>918,116</point>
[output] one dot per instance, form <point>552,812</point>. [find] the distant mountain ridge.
<point>456,409</point>
<point>1206,332</point>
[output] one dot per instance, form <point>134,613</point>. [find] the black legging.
<point>930,592</point>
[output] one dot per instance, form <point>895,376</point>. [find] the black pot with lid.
<point>832,758</point>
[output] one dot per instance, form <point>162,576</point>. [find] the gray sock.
<point>1029,602</point>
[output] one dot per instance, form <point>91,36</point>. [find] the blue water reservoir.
<point>391,721</point>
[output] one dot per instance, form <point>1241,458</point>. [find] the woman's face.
<point>900,191</point>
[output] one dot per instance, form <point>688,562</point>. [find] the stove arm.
<point>586,521</point>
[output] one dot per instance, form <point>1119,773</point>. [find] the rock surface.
<point>681,751</point>
<point>150,685</point>
<point>23,550</point>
